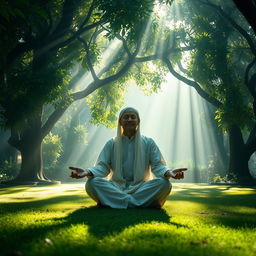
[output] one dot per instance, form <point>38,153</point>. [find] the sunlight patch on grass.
<point>34,193</point>
<point>240,191</point>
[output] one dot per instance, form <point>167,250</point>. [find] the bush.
<point>52,148</point>
<point>9,170</point>
<point>229,178</point>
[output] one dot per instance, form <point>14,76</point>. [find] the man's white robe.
<point>127,191</point>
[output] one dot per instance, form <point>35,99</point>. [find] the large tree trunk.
<point>31,166</point>
<point>239,156</point>
<point>29,143</point>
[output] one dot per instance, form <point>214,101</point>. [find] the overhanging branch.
<point>59,111</point>
<point>192,83</point>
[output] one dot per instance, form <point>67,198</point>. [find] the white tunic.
<point>153,162</point>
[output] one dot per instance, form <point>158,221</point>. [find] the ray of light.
<point>171,117</point>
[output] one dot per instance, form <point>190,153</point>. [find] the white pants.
<point>151,193</point>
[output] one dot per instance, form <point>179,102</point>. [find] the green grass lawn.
<point>63,220</point>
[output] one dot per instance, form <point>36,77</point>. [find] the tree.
<point>36,68</point>
<point>222,68</point>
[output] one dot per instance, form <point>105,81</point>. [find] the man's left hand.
<point>176,173</point>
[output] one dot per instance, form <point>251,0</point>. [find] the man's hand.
<point>176,173</point>
<point>79,173</point>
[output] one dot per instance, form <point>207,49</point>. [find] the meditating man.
<point>127,161</point>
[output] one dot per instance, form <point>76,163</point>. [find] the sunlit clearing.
<point>177,119</point>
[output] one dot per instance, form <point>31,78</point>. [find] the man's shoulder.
<point>109,143</point>
<point>146,139</point>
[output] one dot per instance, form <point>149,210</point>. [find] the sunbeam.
<point>173,118</point>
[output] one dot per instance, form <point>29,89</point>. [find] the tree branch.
<point>66,19</point>
<point>56,41</point>
<point>88,59</point>
<point>95,85</point>
<point>59,111</point>
<point>126,48</point>
<point>181,68</point>
<point>61,42</point>
<point>88,14</point>
<point>54,117</point>
<point>119,37</point>
<point>160,56</point>
<point>193,84</point>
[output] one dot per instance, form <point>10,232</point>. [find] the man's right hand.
<point>79,173</point>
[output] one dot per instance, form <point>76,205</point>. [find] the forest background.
<point>55,54</point>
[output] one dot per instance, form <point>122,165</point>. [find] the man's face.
<point>129,120</point>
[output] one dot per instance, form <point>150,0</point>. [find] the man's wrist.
<point>88,173</point>
<point>168,174</point>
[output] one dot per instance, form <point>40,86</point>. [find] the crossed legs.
<point>151,193</point>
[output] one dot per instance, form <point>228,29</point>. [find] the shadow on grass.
<point>104,222</point>
<point>100,222</point>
